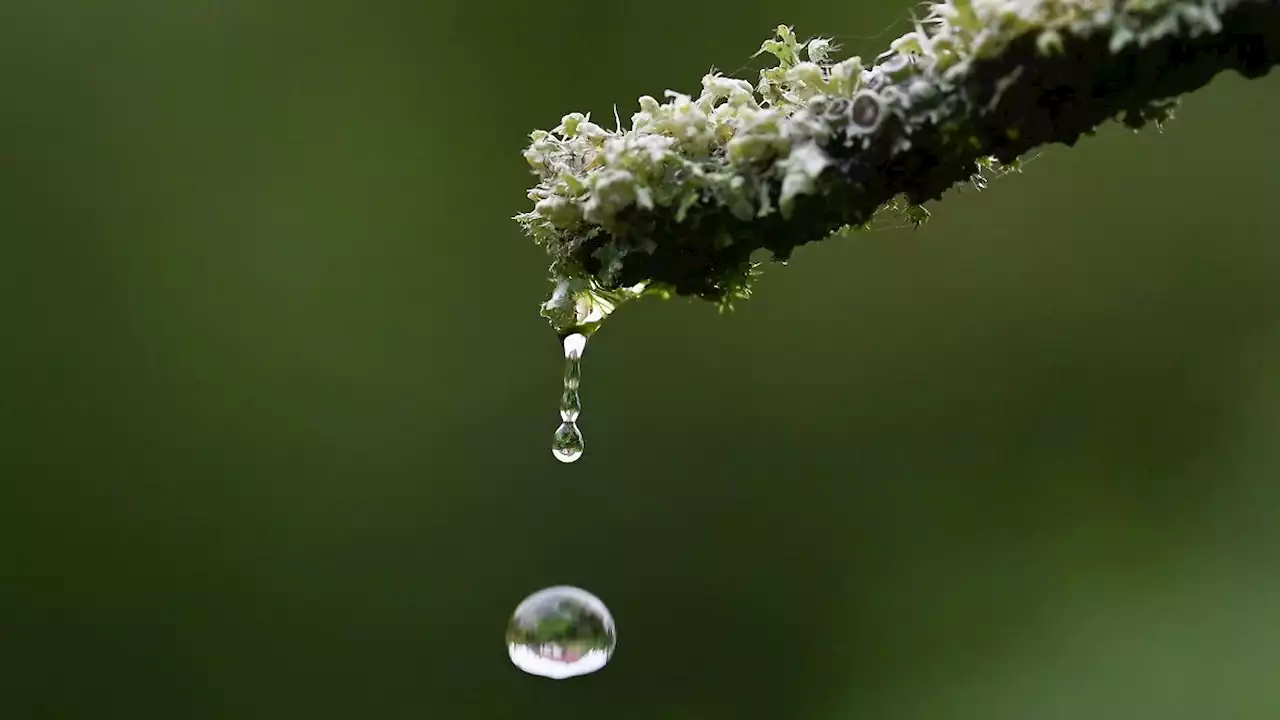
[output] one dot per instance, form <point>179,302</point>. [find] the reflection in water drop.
<point>561,632</point>
<point>567,444</point>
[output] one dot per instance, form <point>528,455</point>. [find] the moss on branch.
<point>678,202</point>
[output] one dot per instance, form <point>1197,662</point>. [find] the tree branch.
<point>678,203</point>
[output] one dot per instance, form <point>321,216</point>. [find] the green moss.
<point>677,202</point>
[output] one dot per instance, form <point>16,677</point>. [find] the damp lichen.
<point>677,201</point>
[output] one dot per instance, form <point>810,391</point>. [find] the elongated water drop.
<point>561,632</point>
<point>570,405</point>
<point>567,444</point>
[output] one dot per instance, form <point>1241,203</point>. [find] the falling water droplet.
<point>561,632</point>
<point>567,444</point>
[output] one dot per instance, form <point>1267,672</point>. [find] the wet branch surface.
<point>1031,94</point>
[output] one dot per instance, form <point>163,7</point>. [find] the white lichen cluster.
<point>754,148</point>
<point>715,147</point>
<point>750,148</point>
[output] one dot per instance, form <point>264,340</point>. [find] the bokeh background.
<point>277,400</point>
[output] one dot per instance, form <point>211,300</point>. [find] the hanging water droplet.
<point>570,405</point>
<point>561,632</point>
<point>574,344</point>
<point>567,444</point>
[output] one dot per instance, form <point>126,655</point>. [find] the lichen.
<point>677,201</point>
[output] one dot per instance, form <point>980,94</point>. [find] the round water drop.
<point>561,632</point>
<point>567,443</point>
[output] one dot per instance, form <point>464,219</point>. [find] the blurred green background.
<point>277,400</point>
